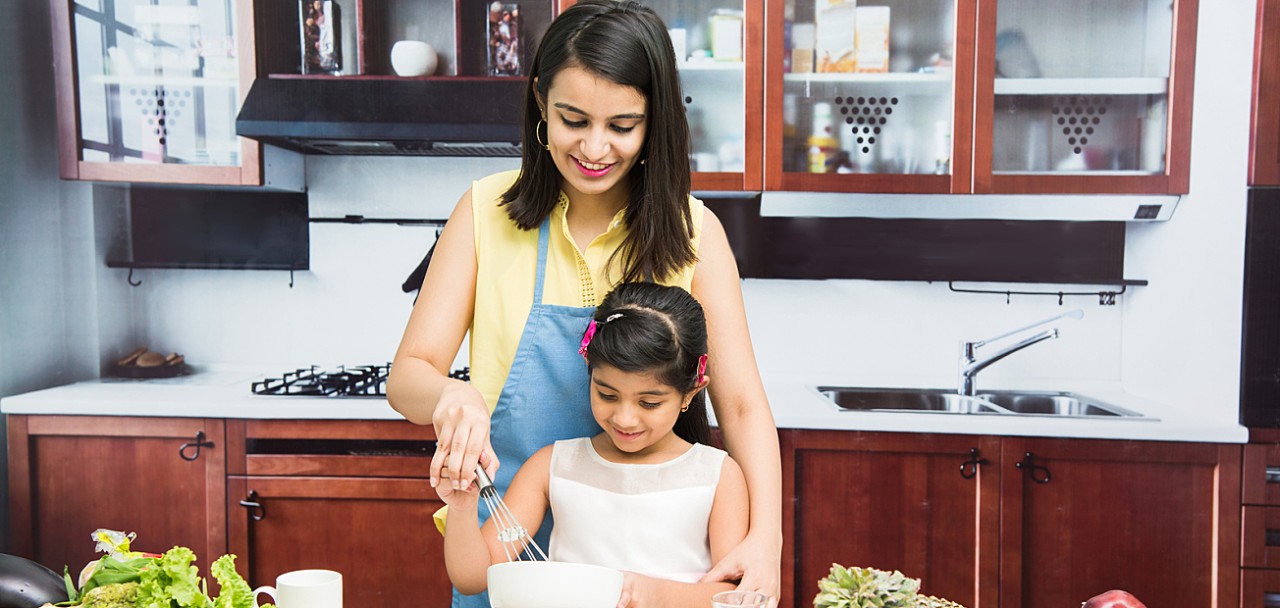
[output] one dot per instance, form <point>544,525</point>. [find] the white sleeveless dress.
<point>645,518</point>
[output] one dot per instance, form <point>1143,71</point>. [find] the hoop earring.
<point>537,134</point>
<point>685,408</point>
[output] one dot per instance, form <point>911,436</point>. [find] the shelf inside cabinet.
<point>710,66</point>
<point>908,78</point>
<point>1081,86</point>
<point>169,81</point>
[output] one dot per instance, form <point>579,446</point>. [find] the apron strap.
<point>544,234</point>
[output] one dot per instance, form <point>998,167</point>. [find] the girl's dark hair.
<point>651,328</point>
<point>625,43</point>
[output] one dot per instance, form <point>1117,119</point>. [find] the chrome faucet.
<point>970,364</point>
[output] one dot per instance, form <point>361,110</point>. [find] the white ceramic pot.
<point>413,58</point>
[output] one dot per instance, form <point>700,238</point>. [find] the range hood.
<point>381,116</point>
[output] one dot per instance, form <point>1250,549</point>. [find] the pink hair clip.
<point>586,338</point>
<point>702,369</point>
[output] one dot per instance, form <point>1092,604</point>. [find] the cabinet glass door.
<point>1076,91</point>
<point>869,96</point>
<point>159,82</point>
<point>717,45</point>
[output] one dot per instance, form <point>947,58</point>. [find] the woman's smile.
<point>592,169</point>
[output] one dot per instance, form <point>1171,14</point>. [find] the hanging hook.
<point>130,280</point>
<point>290,278</point>
<point>1007,297</point>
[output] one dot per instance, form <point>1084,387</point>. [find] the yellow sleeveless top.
<point>507,259</point>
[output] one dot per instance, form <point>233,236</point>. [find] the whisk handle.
<point>482,479</point>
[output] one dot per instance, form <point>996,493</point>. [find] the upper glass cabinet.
<point>1264,137</point>
<point>868,95</point>
<point>1079,96</point>
<point>148,90</point>
<point>718,49</point>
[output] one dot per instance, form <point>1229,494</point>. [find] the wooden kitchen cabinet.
<point>163,478</point>
<point>1076,518</point>
<point>1079,517</point>
<point>350,496</point>
<point>1264,136</point>
<point>983,96</point>
<point>920,504</point>
<point>1260,520</point>
<point>150,93</point>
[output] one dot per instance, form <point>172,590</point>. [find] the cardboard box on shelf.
<point>835,44</point>
<point>872,40</point>
<point>802,38</point>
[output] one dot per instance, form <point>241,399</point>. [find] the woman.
<point>602,197</point>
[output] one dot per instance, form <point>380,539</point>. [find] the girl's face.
<point>596,129</point>
<point>636,409</point>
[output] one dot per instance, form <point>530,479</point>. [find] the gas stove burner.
<point>345,381</point>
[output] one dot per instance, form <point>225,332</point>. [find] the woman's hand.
<point>757,561</point>
<point>461,421</point>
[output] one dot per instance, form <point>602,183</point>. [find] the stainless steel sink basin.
<point>1046,403</point>
<point>948,401</point>
<point>905,400</point>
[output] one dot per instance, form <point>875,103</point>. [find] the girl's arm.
<point>463,536</point>
<point>419,386</point>
<point>725,530</point>
<point>742,412</point>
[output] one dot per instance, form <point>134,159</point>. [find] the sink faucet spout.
<point>971,364</point>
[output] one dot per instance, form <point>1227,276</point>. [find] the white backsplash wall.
<point>887,331</point>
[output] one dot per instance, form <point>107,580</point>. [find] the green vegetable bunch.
<point>169,580</point>
<point>866,588</point>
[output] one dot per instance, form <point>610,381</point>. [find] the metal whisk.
<point>517,544</point>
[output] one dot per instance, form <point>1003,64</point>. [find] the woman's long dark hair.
<point>625,43</point>
<point>661,330</point>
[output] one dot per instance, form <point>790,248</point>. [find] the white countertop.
<point>223,392</point>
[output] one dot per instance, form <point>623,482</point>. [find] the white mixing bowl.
<point>553,585</point>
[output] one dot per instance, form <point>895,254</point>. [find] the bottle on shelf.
<point>822,142</point>
<point>942,148</point>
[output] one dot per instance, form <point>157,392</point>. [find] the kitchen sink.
<point>1044,403</point>
<point>948,401</point>
<point>906,400</point>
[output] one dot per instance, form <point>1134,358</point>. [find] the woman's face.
<point>596,129</point>
<point>635,409</point>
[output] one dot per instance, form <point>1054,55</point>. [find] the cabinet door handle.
<point>200,442</point>
<point>256,511</point>
<point>1038,473</point>
<point>969,468</point>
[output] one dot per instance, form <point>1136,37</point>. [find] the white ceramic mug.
<point>304,589</point>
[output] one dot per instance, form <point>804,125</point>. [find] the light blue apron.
<point>545,398</point>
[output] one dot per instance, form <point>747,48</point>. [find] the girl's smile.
<point>636,411</point>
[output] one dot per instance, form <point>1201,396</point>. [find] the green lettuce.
<point>235,592</point>
<point>172,580</point>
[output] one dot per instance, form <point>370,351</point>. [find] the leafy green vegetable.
<point>114,595</point>
<point>170,579</point>
<point>111,570</point>
<point>866,588</point>
<point>235,592</point>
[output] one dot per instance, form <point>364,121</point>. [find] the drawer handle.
<point>256,511</point>
<point>200,442</point>
<point>969,468</point>
<point>1037,473</point>
<point>1273,474</point>
<point>1272,537</point>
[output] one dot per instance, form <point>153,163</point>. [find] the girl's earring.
<point>685,408</point>
<point>537,134</point>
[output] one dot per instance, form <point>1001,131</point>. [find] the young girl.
<point>647,496</point>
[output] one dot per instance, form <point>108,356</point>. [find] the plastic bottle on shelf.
<point>942,147</point>
<point>822,141</point>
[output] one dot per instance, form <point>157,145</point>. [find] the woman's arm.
<point>419,386</point>
<point>742,412</point>
<point>526,498</point>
